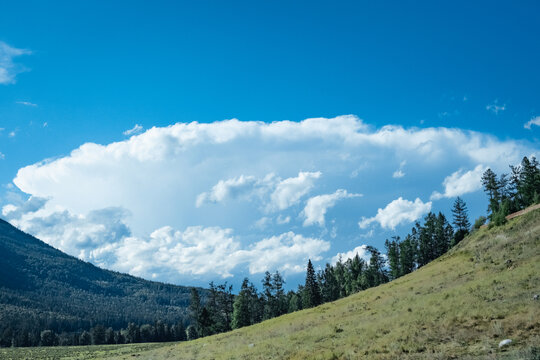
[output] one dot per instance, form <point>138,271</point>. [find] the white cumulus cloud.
<point>399,211</point>
<point>461,182</point>
<point>103,238</point>
<point>289,191</point>
<point>227,189</point>
<point>317,206</point>
<point>153,179</point>
<point>288,252</point>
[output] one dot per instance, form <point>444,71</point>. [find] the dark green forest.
<point>42,288</point>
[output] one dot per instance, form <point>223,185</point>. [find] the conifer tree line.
<point>512,192</point>
<point>425,243</point>
<point>97,335</point>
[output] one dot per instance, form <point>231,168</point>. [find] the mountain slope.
<point>459,306</point>
<point>42,285</point>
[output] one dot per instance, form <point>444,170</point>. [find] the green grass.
<point>78,352</point>
<point>458,307</point>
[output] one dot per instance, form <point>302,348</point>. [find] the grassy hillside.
<point>459,306</point>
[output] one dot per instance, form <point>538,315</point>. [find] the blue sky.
<point>86,72</point>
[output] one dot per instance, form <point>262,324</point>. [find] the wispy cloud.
<point>2,156</point>
<point>137,129</point>
<point>495,107</point>
<point>398,174</point>
<point>12,134</point>
<point>533,121</point>
<point>26,103</point>
<point>9,69</point>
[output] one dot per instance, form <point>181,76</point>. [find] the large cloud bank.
<point>233,197</point>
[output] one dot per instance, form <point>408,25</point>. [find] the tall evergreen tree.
<point>375,273</point>
<point>48,338</point>
<point>312,292</point>
<point>268,297</point>
<point>205,323</point>
<point>328,284</point>
<point>86,338</point>
<point>426,241</point>
<point>225,304</point>
<point>354,269</point>
<point>460,221</point>
<point>407,251</point>
<point>98,335</point>
<point>442,236</point>
<point>132,333</point>
<point>392,253</point>
<point>195,309</point>
<point>529,181</point>
<point>281,303</point>
<point>241,313</point>
<point>492,188</point>
<point>294,302</point>
<point>191,332</point>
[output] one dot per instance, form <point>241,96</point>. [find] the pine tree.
<point>48,338</point>
<point>328,284</point>
<point>375,273</point>
<point>294,302</point>
<point>179,332</point>
<point>312,293</point>
<point>407,253</point>
<point>85,338</point>
<point>225,305</point>
<point>205,323</point>
<point>461,220</point>
<point>133,334</point>
<point>268,297</point>
<point>442,236</point>
<point>426,240</point>
<point>492,188</point>
<point>241,313</point>
<point>191,332</point>
<point>109,336</point>
<point>281,303</point>
<point>218,305</point>
<point>529,182</point>
<point>256,305</point>
<point>392,252</point>
<point>147,332</point>
<point>98,335</point>
<point>195,310</point>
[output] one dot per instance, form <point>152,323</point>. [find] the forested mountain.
<point>44,288</point>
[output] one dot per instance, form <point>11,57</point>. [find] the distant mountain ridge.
<point>42,287</point>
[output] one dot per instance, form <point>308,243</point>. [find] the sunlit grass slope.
<point>459,306</point>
